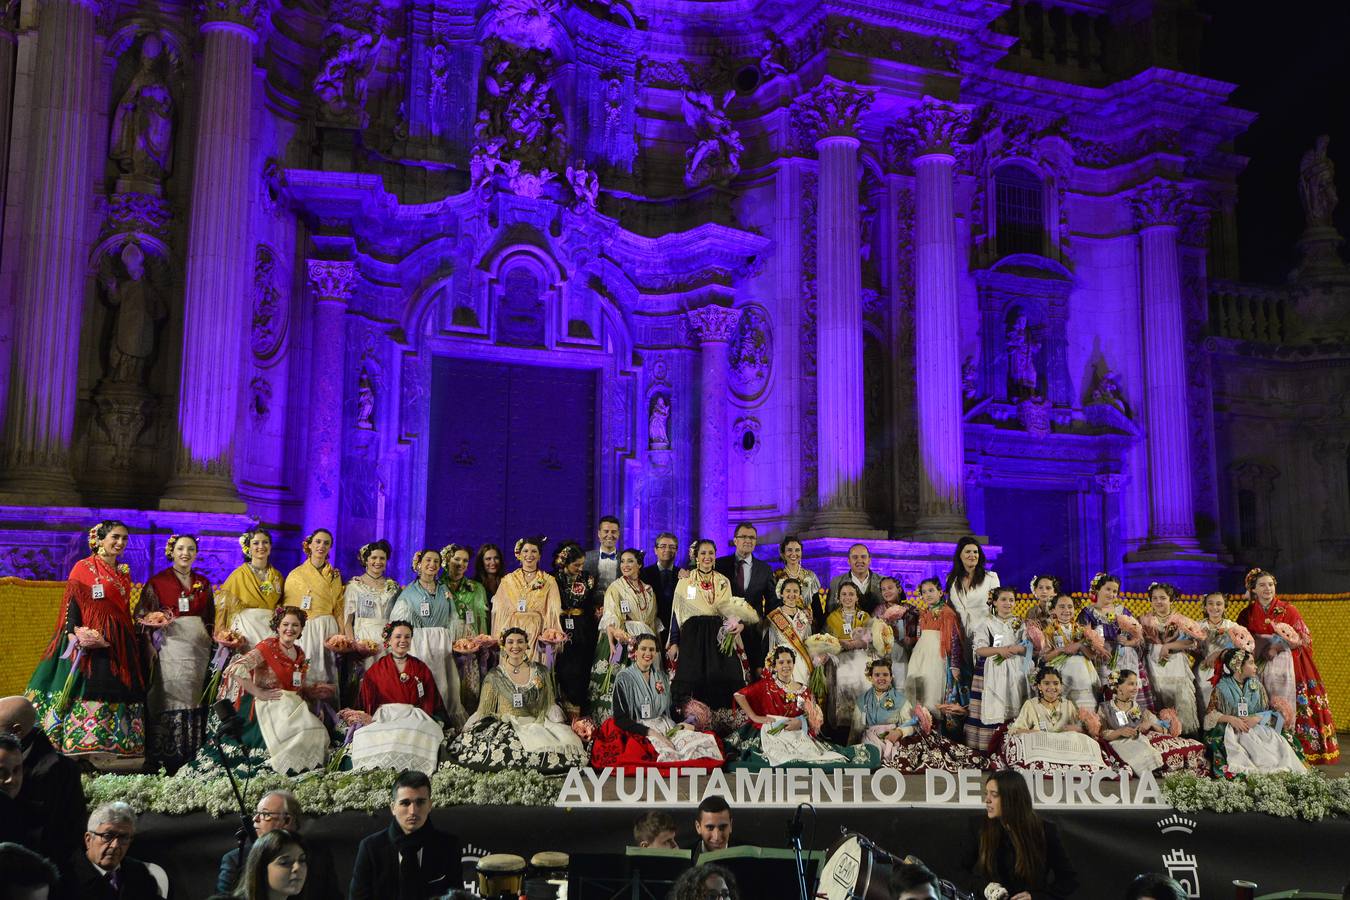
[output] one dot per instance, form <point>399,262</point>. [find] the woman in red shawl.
<point>402,726</point>
<point>1288,670</point>
<point>89,688</point>
<point>398,677</point>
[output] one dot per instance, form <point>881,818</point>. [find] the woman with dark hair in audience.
<point>89,688</point>
<point>1014,848</point>
<point>178,607</point>
<point>276,867</point>
<point>489,568</point>
<point>706,882</point>
<point>245,601</point>
<point>576,590</point>
<point>369,598</point>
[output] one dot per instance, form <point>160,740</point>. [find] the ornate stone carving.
<point>1158,203</point>
<point>137,304</point>
<point>518,132</point>
<point>332,279</point>
<point>831,110</point>
<point>141,140</point>
<point>369,382</point>
<point>247,13</point>
<point>526,23</point>
<point>351,42</point>
<point>710,324</point>
<point>438,91</point>
<point>658,422</point>
<point>585,186</point>
<point>1110,482</point>
<point>1317,185</point>
<point>413,402</point>
<point>935,127</point>
<point>271,186</point>
<point>35,563</point>
<point>970,379</point>
<point>269,309</point>
<point>1023,347</point>
<point>259,400</point>
<point>1034,414</point>
<point>716,154</point>
<point>750,354</point>
<point>137,212</point>
<point>745,437</point>
<point>122,411</point>
<point>1108,392</point>
<point>773,58</point>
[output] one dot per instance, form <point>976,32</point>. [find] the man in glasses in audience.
<point>104,871</point>
<point>281,810</point>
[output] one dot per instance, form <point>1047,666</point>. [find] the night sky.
<point>1292,67</point>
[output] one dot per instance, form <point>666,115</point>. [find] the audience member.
<point>655,829</point>
<point>712,823</point>
<point>411,859</point>
<point>1015,848</point>
<point>17,822</point>
<point>861,574</point>
<point>25,875</point>
<point>1152,886</point>
<point>277,810</point>
<point>51,782</point>
<point>104,871</point>
<point>276,867</point>
<point>710,882</point>
<point>913,881</point>
<point>602,563</point>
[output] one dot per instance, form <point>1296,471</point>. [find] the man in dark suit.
<point>51,782</point>
<point>864,579</point>
<point>104,871</point>
<point>712,825</point>
<point>662,576</point>
<point>411,859</point>
<point>752,580</point>
<point>602,564</point>
<point>18,825</point>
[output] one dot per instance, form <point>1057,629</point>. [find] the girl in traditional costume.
<point>903,622</point>
<point>1138,737</point>
<point>1221,633</point>
<point>790,626</point>
<point>245,602</point>
<point>369,599</point>
<point>1048,735</point>
<point>853,629</point>
<point>902,732</point>
<point>315,586</point>
<point>630,612</point>
<point>401,706</point>
<point>1002,658</point>
<point>576,657</point>
<point>790,552</point>
<point>425,604</point>
<point>528,599</point>
<point>1289,673</point>
<point>1245,734</point>
<point>1170,641</point>
<point>1068,648</point>
<point>89,688</point>
<point>642,731</point>
<point>518,724</point>
<point>178,605</point>
<point>708,616</point>
<point>935,664</point>
<point>474,648</point>
<point>1121,635</point>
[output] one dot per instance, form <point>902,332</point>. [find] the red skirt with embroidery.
<point>615,748</point>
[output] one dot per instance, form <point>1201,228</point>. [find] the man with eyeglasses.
<point>104,871</point>
<point>277,810</point>
<point>662,576</point>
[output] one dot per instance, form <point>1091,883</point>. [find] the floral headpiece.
<point>1234,661</point>
<point>773,655</point>
<point>363,552</point>
<point>93,537</point>
<point>1113,680</point>
<point>1256,575</point>
<point>173,539</point>
<point>417,558</point>
<point>567,554</point>
<point>537,541</point>
<point>389,627</point>
<point>1100,579</point>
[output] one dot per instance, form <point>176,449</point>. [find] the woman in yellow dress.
<point>245,601</point>
<point>528,599</point>
<point>315,586</point>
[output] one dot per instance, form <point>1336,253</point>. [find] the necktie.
<point>740,578</point>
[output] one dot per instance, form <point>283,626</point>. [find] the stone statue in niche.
<point>585,186</point>
<point>1108,392</point>
<point>1022,347</point>
<point>260,399</point>
<point>141,142</point>
<point>716,154</point>
<point>969,379</point>
<point>773,58</point>
<point>439,92</point>
<point>613,101</point>
<point>658,423</point>
<point>1317,185</point>
<point>365,401</point>
<point>269,313</point>
<point>351,41</point>
<point>137,307</point>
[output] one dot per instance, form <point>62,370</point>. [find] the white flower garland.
<point>1310,795</point>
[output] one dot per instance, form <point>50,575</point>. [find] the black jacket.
<point>664,586</point>
<point>80,880</point>
<point>759,593</point>
<point>376,873</point>
<point>51,787</point>
<point>1058,878</point>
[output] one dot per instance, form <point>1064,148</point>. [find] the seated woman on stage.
<point>179,605</point>
<point>935,664</point>
<point>400,707</point>
<point>1139,738</point>
<point>89,688</point>
<point>848,675</point>
<point>369,598</point>
<point>790,626</point>
<point>1243,732</point>
<point>528,599</point>
<point>315,586</point>
<point>901,732</point>
<point>246,600</point>
<point>783,722</point>
<point>1168,647</point>
<point>1002,656</point>
<point>705,611</point>
<point>424,603</point>
<point>268,686</point>
<point>630,611</point>
<point>518,724</point>
<point>1068,649</point>
<point>1047,734</point>
<point>642,732</point>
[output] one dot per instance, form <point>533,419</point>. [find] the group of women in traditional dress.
<point>544,671</point>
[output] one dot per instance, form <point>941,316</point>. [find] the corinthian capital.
<point>831,110</point>
<point>711,324</point>
<point>1159,203</point>
<point>332,280</point>
<point>936,127</point>
<point>247,14</point>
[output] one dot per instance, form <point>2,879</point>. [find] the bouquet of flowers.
<point>1037,638</point>
<point>1240,638</point>
<point>231,639</point>
<point>1095,642</point>
<point>1281,706</point>
<point>467,646</point>
<point>1171,719</point>
<point>1128,624</point>
<point>366,647</point>
<point>1283,630</point>
<point>821,647</point>
<point>1092,722</point>
<point>584,728</point>
<point>157,619</point>
<point>923,718</point>
<point>726,638</point>
<point>350,717</point>
<point>1187,626</point>
<point>892,613</point>
<point>882,637</point>
<point>486,641</point>
<point>552,636</point>
<point>995,891</point>
<point>339,643</point>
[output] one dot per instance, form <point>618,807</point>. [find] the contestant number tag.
<point>306,602</point>
<point>468,618</point>
<point>184,604</point>
<point>646,711</point>
<point>1120,717</point>
<point>848,628</point>
<point>97,590</point>
<point>517,700</point>
<point>998,640</point>
<point>424,610</point>
<point>296,679</point>
<point>690,592</point>
<point>1242,710</point>
<point>520,606</point>
<point>1059,640</point>
<point>569,624</point>
<point>625,607</point>
<point>421,689</point>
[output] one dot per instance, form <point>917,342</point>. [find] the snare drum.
<point>855,869</point>
<point>501,873</point>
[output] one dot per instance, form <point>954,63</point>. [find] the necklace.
<point>260,573</point>
<point>640,590</point>
<point>516,667</point>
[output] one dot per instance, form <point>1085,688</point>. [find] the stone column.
<point>216,303</point>
<point>935,129</point>
<point>829,118</point>
<point>53,270</point>
<point>712,327</point>
<point>1158,210</point>
<point>331,283</point>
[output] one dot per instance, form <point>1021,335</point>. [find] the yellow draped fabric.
<point>323,588</point>
<point>242,590</point>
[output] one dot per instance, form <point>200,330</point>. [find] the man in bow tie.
<point>603,564</point>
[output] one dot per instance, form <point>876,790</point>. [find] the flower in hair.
<point>93,537</point>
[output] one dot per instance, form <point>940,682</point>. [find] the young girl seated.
<point>1243,733</point>
<point>1068,649</point>
<point>1047,734</point>
<point>1002,654</point>
<point>885,719</point>
<point>935,664</point>
<point>1139,737</point>
<point>1169,665</point>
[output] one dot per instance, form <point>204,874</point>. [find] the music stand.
<point>641,873</point>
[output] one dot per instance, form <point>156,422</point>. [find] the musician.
<point>705,883</point>
<point>914,881</point>
<point>713,825</point>
<point>655,829</point>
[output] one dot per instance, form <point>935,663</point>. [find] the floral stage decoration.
<point>1310,796</point>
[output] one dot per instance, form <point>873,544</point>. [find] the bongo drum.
<point>855,869</point>
<point>548,875</point>
<point>500,873</point>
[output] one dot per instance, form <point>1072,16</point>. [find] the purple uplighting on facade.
<point>464,272</point>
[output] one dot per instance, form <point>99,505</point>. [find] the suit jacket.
<point>80,880</point>
<point>51,787</point>
<point>664,586</point>
<point>375,875</point>
<point>592,566</point>
<point>759,593</point>
<point>869,599</point>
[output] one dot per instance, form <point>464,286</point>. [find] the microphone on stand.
<point>796,826</point>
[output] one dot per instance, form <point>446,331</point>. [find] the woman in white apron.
<point>369,599</point>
